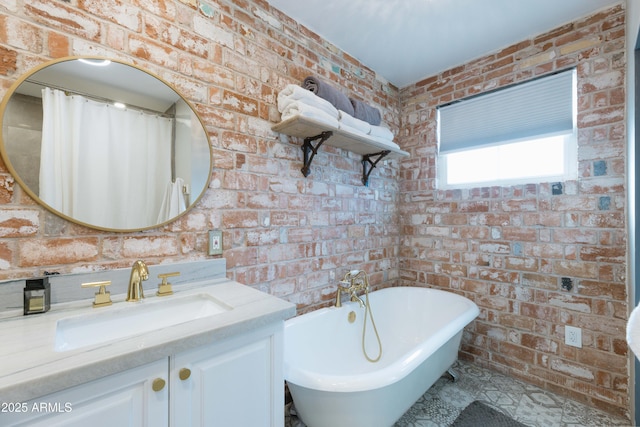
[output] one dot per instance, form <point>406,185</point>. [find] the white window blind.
<point>543,106</point>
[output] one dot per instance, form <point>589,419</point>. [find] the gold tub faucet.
<point>339,294</point>
<point>354,281</point>
<point>139,273</point>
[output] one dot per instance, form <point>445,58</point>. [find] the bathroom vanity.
<point>214,358</point>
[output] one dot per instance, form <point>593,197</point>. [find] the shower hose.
<point>364,329</point>
<point>351,277</point>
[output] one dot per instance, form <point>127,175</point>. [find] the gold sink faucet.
<point>139,273</point>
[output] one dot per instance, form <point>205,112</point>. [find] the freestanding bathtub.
<point>331,382</point>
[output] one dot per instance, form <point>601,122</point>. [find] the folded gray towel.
<point>326,91</point>
<point>365,112</point>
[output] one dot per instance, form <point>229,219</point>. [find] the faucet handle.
<point>164,288</point>
<point>102,297</point>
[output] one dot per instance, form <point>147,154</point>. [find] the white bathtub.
<point>331,382</point>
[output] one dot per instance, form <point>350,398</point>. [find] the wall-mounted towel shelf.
<point>315,131</point>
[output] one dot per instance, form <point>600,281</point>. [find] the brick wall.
<point>508,248</point>
<point>283,233</point>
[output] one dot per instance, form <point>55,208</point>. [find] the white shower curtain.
<point>103,165</point>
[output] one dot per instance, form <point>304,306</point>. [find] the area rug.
<point>479,414</point>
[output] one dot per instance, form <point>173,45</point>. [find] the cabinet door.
<point>234,382</point>
<point>124,399</point>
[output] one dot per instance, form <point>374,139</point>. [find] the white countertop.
<point>30,367</point>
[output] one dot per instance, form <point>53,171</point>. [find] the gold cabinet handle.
<point>158,384</point>
<point>184,373</point>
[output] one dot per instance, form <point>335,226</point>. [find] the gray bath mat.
<point>479,414</point>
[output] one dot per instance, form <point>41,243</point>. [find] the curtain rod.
<point>101,99</point>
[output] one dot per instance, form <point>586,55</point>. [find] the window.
<point>525,133</point>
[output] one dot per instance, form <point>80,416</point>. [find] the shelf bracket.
<point>310,151</point>
<point>368,163</point>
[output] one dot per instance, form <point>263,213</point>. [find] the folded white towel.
<point>298,108</point>
<point>352,122</point>
<point>389,143</point>
<point>381,132</point>
<point>385,141</point>
<point>353,130</point>
<point>293,93</point>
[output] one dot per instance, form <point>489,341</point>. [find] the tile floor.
<point>526,403</point>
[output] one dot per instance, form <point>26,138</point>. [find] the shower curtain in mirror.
<point>103,165</point>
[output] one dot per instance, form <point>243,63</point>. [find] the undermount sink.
<point>133,319</point>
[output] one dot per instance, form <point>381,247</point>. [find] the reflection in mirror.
<point>104,144</point>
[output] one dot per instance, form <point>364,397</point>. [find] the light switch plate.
<point>215,242</point>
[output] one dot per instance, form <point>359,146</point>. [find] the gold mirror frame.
<point>151,79</point>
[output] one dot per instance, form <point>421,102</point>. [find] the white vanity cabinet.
<point>236,382</point>
<point>124,399</point>
<point>233,381</point>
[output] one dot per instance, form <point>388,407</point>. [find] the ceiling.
<point>405,41</point>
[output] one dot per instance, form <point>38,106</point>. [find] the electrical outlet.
<point>215,242</point>
<point>573,336</point>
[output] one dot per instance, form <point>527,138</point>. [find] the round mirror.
<point>104,144</point>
